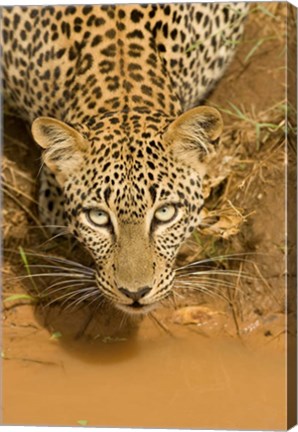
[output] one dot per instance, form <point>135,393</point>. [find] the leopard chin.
<point>137,308</point>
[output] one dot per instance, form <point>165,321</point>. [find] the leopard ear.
<point>194,134</point>
<point>64,146</point>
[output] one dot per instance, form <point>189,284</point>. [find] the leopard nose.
<point>135,295</point>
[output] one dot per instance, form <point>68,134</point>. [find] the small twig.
<point>43,362</point>
<point>15,141</point>
<point>276,336</point>
<point>23,207</point>
<point>17,304</point>
<point>160,324</point>
<point>18,191</point>
<point>85,325</point>
<point>266,284</point>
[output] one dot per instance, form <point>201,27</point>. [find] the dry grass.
<point>248,166</point>
<point>252,146</point>
<point>238,175</point>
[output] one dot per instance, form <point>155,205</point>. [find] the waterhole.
<point>148,379</point>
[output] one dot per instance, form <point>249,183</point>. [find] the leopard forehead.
<point>131,171</point>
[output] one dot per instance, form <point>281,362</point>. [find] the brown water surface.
<point>148,380</point>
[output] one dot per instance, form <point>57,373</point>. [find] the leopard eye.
<point>98,217</point>
<point>165,213</point>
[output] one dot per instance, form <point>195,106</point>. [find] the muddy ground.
<point>242,303</point>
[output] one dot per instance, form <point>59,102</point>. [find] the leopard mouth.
<point>136,308</point>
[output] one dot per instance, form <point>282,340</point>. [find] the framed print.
<point>149,215</point>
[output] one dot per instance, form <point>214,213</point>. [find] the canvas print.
<point>149,215</point>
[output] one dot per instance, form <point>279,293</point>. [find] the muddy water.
<point>150,380</point>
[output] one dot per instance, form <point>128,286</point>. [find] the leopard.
<point>114,96</point>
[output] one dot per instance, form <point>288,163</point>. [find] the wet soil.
<point>205,363</point>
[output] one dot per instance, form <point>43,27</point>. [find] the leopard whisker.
<point>69,295</point>
<point>174,293</point>
<point>37,275</point>
<point>228,257</point>
<point>53,258</point>
<point>211,287</point>
<point>208,291</point>
<point>55,300</point>
<point>214,271</point>
<point>222,273</point>
<point>209,281</point>
<point>124,320</point>
<point>73,305</point>
<point>54,237</point>
<point>169,300</point>
<point>100,297</point>
<point>47,226</point>
<point>71,264</point>
<point>69,269</point>
<point>62,288</point>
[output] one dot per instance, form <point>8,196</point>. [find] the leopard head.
<point>133,194</point>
